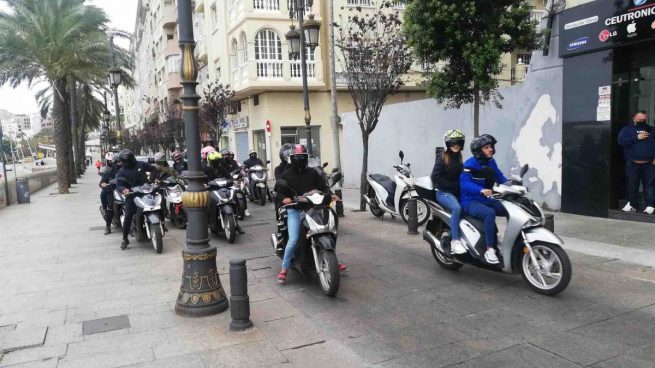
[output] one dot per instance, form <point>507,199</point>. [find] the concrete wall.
<point>37,180</point>
<point>528,128</point>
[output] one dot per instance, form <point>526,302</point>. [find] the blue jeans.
<point>636,174</point>
<point>487,212</point>
<point>450,202</point>
<point>293,226</point>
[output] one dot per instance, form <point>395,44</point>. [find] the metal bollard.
<point>412,218</point>
<point>339,203</point>
<point>239,300</point>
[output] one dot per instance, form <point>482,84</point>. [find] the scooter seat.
<point>476,222</point>
<point>386,182</point>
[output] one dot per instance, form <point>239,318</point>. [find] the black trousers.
<point>636,174</point>
<point>107,200</point>
<point>130,210</point>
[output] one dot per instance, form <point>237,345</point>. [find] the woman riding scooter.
<point>479,175</point>
<point>445,177</point>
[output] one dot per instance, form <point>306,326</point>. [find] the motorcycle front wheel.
<point>262,196</point>
<point>553,273</point>
<point>180,220</point>
<point>231,229</point>
<point>328,275</point>
<point>156,237</point>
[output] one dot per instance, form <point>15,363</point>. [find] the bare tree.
<point>172,127</point>
<point>375,56</point>
<point>215,109</point>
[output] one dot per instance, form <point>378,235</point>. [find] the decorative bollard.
<point>412,217</point>
<point>339,203</point>
<point>239,300</point>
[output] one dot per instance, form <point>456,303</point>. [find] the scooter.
<point>239,193</point>
<point>527,247</point>
<point>172,191</point>
<point>256,185</point>
<point>317,241</point>
<point>147,224</point>
<point>223,208</point>
<point>118,205</point>
<point>386,195</point>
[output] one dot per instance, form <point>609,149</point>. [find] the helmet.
<point>299,158</point>
<point>285,151</point>
<point>454,137</point>
<point>227,154</point>
<point>116,160</point>
<point>206,150</point>
<point>127,158</point>
<point>213,156</point>
<point>160,158</point>
<point>253,154</point>
<point>177,156</point>
<point>481,141</point>
<point>109,156</point>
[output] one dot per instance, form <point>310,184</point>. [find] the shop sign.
<point>604,24</point>
<point>241,124</point>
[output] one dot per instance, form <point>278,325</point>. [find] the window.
<point>266,5</point>
<point>214,15</point>
<point>255,100</point>
<point>268,53</point>
<point>524,58</point>
<point>359,3</point>
<point>243,57</point>
<point>234,60</point>
<point>296,67</point>
<point>170,36</point>
<point>298,135</point>
<point>291,4</point>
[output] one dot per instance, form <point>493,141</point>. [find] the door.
<point>259,138</point>
<point>241,140</point>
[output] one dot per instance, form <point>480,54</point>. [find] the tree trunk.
<point>61,138</point>
<point>74,125</point>
<point>81,151</point>
<point>363,182</point>
<point>476,111</point>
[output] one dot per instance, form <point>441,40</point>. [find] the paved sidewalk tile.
<point>22,339</point>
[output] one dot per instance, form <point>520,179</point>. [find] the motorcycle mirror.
<point>401,154</point>
<point>325,164</point>
<point>268,162</point>
<point>335,170</point>
<point>337,178</point>
<point>524,170</point>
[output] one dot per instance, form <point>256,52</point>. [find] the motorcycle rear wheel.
<point>422,208</point>
<point>555,259</point>
<point>444,261</point>
<point>328,275</point>
<point>156,237</point>
<point>139,234</point>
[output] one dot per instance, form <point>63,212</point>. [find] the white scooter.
<point>386,195</point>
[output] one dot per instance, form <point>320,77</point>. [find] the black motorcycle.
<point>223,208</point>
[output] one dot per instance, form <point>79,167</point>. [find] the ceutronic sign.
<point>604,24</point>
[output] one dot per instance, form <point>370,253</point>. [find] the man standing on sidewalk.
<point>639,149</point>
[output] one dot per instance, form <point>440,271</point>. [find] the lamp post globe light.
<point>298,42</point>
<point>201,292</point>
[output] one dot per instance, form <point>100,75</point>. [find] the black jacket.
<point>279,170</point>
<point>252,162</point>
<point>221,170</point>
<point>446,177</point>
<point>180,166</point>
<point>110,175</point>
<point>301,182</point>
<point>134,177</point>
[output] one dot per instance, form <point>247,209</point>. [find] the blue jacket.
<point>633,148</point>
<point>472,183</point>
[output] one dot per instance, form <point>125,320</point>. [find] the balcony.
<point>172,47</point>
<point>174,81</point>
<point>169,17</point>
<point>268,9</point>
<point>265,75</point>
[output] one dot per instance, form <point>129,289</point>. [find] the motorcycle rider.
<point>281,213</point>
<point>252,160</point>
<point>300,179</point>
<point>228,164</point>
<point>213,168</point>
<point>179,164</point>
<point>203,155</point>
<point>131,174</point>
<point>106,193</point>
<point>479,175</point>
<point>445,177</point>
<point>163,169</point>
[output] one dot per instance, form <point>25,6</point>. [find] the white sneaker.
<point>628,208</point>
<point>649,210</point>
<point>457,247</point>
<point>490,256</point>
<point>247,213</point>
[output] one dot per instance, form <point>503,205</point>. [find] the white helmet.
<point>109,156</point>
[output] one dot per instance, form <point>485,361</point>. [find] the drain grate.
<point>105,325</point>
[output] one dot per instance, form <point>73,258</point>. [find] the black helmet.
<point>299,158</point>
<point>127,158</point>
<point>481,141</point>
<point>285,152</point>
<point>227,155</point>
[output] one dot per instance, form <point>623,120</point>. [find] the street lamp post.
<point>4,167</point>
<point>115,74</point>
<point>298,41</point>
<point>106,116</point>
<point>201,292</point>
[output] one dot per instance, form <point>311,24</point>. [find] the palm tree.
<point>57,42</point>
<point>89,110</point>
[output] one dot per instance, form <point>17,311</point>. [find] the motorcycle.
<point>240,190</point>
<point>526,247</point>
<point>147,224</point>
<point>386,195</point>
<point>223,208</point>
<point>256,185</point>
<point>317,241</point>
<point>118,205</point>
<point>172,192</point>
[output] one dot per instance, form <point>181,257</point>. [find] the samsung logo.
<point>578,43</point>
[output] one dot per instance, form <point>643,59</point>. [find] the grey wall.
<point>528,128</point>
<point>36,180</point>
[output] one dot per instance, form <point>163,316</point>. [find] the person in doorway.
<point>445,177</point>
<point>479,175</point>
<point>639,150</point>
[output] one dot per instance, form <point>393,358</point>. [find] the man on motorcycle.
<point>164,171</point>
<point>106,193</point>
<point>300,179</point>
<point>131,174</point>
<point>252,160</point>
<point>478,178</point>
<point>179,164</point>
<point>213,167</point>
<point>228,164</point>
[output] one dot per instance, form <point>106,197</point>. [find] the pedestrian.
<point>98,165</point>
<point>639,151</point>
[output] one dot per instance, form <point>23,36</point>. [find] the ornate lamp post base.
<point>201,293</point>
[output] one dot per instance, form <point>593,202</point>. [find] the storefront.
<point>608,49</point>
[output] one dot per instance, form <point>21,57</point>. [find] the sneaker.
<point>247,213</point>
<point>490,256</point>
<point>628,208</point>
<point>457,247</point>
<point>282,276</point>
<point>124,244</point>
<point>343,267</point>
<point>649,210</point>
<point>107,230</point>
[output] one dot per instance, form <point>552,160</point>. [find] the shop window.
<point>297,135</point>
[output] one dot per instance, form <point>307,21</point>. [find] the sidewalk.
<point>395,307</point>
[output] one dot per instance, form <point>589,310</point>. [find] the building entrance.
<point>633,89</point>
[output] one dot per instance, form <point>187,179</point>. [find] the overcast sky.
<point>122,15</point>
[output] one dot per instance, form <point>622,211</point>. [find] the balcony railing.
<point>296,69</point>
<point>538,15</point>
<point>280,71</point>
<point>269,69</point>
<point>359,3</point>
<point>266,5</point>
